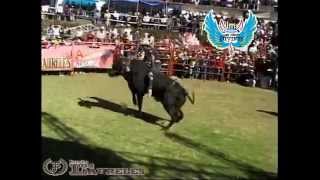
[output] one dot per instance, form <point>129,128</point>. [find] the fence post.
<point>170,64</point>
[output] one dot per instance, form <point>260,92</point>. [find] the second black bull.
<point>165,90</point>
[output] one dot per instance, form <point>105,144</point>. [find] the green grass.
<point>228,133</point>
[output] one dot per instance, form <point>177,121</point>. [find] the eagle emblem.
<point>230,35</point>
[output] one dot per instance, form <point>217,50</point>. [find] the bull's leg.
<point>173,114</point>
<point>179,115</point>
<point>134,98</point>
<point>140,100</point>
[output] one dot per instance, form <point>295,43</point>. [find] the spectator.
<point>164,20</point>
<point>79,34</point>
<point>101,34</point>
<point>61,32</point>
<point>146,18</point>
<point>116,15</point>
<point>128,34</point>
<point>96,16</point>
<point>115,32</point>
<point>145,40</point>
<point>72,14</point>
<point>220,67</point>
<point>258,5</point>
<point>50,32</point>
<point>205,69</point>
<point>108,17</point>
<point>245,4</point>
<point>151,40</point>
<point>91,36</point>
<point>56,31</point>
<point>251,4</point>
<point>228,72</point>
<point>59,12</point>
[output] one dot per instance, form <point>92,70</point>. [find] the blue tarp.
<point>83,3</point>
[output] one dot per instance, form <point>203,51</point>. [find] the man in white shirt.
<point>107,15</point>
<point>145,40</point>
<point>129,34</point>
<point>115,32</point>
<point>101,35</point>
<point>146,18</point>
<point>116,15</point>
<point>253,49</point>
<point>164,19</point>
<point>151,40</point>
<point>56,31</point>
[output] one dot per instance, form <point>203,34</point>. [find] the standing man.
<point>108,17</point>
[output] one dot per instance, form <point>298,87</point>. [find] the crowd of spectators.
<point>241,4</point>
<point>258,62</point>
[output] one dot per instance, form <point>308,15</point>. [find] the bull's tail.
<point>192,100</point>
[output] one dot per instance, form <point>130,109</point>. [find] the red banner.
<point>78,56</point>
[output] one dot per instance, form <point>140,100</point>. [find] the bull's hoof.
<point>169,126</point>
<point>165,128</point>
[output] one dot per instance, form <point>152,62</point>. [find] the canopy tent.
<point>133,5</point>
<point>146,2</point>
<point>82,3</point>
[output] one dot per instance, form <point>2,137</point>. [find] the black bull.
<point>165,90</point>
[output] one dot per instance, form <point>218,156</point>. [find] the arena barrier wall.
<point>86,56</point>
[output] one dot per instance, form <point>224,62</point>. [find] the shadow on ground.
<point>251,171</point>
<point>268,112</point>
<point>74,146</point>
<point>105,104</point>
